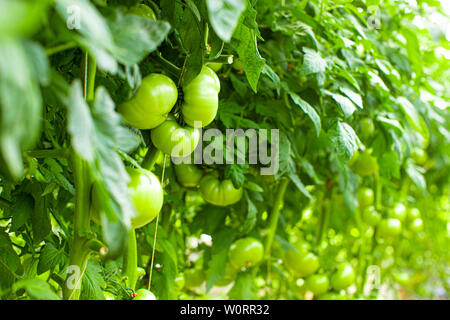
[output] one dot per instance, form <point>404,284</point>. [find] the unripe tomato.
<point>419,156</point>
<point>365,197</point>
<point>188,175</point>
<point>413,213</point>
<point>367,128</point>
<point>302,262</point>
<point>318,284</point>
<point>144,294</point>
<point>194,278</point>
<point>416,225</point>
<point>143,11</point>
<point>219,193</point>
<point>175,140</point>
<point>371,216</point>
<point>343,277</point>
<point>389,227</point>
<point>201,98</point>
<point>149,108</point>
<point>215,66</point>
<point>245,253</point>
<point>145,192</point>
<point>398,212</point>
<point>365,165</point>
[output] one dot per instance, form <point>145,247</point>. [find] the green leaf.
<point>21,211</point>
<point>36,289</point>
<point>413,117</point>
<point>50,258</point>
<point>268,71</point>
<point>224,16</point>
<point>244,288</point>
<point>344,140</point>
<point>308,110</point>
<point>299,184</point>
<point>353,96</point>
<point>92,282</point>
<point>312,62</point>
<point>416,175</point>
<point>136,37</point>
<point>251,218</point>
<point>20,104</point>
<point>391,124</point>
<point>344,103</point>
<point>249,54</point>
<point>219,256</point>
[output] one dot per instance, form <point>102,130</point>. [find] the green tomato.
<point>149,108</point>
<point>143,11</point>
<point>145,192</point>
<point>371,216</point>
<point>365,197</point>
<point>416,225</point>
<point>188,175</point>
<point>219,193</point>
<point>215,66</point>
<point>367,128</point>
<point>201,98</point>
<point>175,140</point>
<point>194,278</point>
<point>302,262</point>
<point>245,253</point>
<point>413,213</point>
<point>144,294</point>
<point>365,165</point>
<point>398,212</point>
<point>343,277</point>
<point>318,284</point>
<point>390,227</point>
<point>419,156</point>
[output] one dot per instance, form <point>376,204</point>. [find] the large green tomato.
<point>365,165</point>
<point>143,11</point>
<point>390,227</point>
<point>145,192</point>
<point>149,108</point>
<point>365,197</point>
<point>371,216</point>
<point>398,211</point>
<point>367,128</point>
<point>302,262</point>
<point>144,294</point>
<point>201,98</point>
<point>175,140</point>
<point>245,253</point>
<point>343,277</point>
<point>219,193</point>
<point>318,284</point>
<point>188,175</point>
<point>194,278</point>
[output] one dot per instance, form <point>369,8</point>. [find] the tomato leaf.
<point>224,16</point>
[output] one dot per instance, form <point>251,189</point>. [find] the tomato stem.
<point>150,158</point>
<point>273,222</point>
<point>130,261</point>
